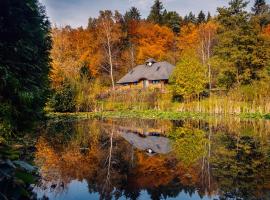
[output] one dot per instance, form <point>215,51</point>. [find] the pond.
<point>154,159</point>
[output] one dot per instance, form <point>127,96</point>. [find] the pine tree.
<point>259,7</point>
<point>261,13</point>
<point>240,49</point>
<point>156,13</point>
<point>201,17</point>
<point>172,20</point>
<point>132,14</point>
<point>24,61</point>
<point>209,17</point>
<point>192,18</point>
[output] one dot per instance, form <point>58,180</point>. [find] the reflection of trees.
<point>192,147</point>
<point>188,144</point>
<point>241,167</point>
<point>109,164</point>
<point>205,156</point>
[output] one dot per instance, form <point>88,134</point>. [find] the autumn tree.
<point>188,38</point>
<point>154,41</point>
<point>200,40</point>
<point>109,31</point>
<point>207,41</point>
<point>240,48</point>
<point>188,78</point>
<point>92,23</point>
<point>70,52</point>
<point>132,20</point>
<point>266,31</point>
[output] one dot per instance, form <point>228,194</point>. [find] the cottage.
<point>151,74</point>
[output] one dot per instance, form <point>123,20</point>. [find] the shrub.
<point>87,92</point>
<point>63,99</point>
<point>188,79</point>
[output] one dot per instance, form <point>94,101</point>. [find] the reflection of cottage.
<point>151,74</point>
<point>155,144</point>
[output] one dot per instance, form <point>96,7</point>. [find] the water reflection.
<point>153,159</point>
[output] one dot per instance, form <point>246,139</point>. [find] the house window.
<point>155,82</point>
<point>145,83</point>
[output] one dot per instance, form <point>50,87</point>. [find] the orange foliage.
<point>188,38</point>
<point>153,41</point>
<point>266,31</point>
<point>198,40</point>
<point>65,162</point>
<point>72,48</point>
<point>151,172</point>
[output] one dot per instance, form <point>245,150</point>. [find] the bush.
<point>188,79</point>
<point>63,99</point>
<point>87,92</point>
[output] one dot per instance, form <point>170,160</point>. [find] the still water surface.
<point>154,159</point>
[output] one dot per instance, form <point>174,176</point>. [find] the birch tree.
<point>109,35</point>
<point>207,38</point>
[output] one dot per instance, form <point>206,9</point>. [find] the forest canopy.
<point>231,49</point>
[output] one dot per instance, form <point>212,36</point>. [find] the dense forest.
<point>221,56</point>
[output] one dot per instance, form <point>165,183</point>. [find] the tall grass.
<point>250,99</point>
<point>225,105</point>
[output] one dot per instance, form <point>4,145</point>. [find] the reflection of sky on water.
<point>79,191</point>
<point>76,190</point>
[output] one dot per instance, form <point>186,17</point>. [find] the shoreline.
<point>153,114</point>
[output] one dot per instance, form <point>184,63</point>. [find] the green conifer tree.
<point>172,20</point>
<point>240,48</point>
<point>156,13</point>
<point>132,14</point>
<point>201,17</point>
<point>24,61</point>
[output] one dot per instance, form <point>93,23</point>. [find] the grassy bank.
<point>149,114</point>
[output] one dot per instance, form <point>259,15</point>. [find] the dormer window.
<point>150,62</point>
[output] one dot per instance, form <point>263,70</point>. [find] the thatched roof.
<point>157,71</point>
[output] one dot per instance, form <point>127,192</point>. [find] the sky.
<point>77,12</point>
